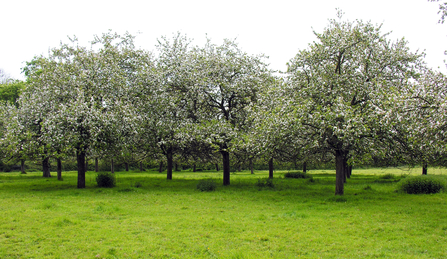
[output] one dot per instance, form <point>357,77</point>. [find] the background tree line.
<point>352,97</point>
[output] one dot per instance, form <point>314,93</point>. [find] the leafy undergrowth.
<point>147,216</point>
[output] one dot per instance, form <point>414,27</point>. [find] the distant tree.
<point>11,91</point>
<point>345,84</point>
<point>442,10</point>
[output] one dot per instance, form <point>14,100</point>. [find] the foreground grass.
<point>46,218</point>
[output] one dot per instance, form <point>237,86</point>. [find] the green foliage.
<point>422,184</point>
<point>296,175</point>
<point>387,176</point>
<point>10,92</point>
<point>106,179</point>
<point>207,185</point>
<point>265,182</point>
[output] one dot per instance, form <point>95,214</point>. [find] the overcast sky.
<point>277,28</point>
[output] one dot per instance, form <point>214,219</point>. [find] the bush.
<point>387,176</point>
<point>422,185</point>
<point>207,185</point>
<point>106,179</point>
<point>266,182</point>
<point>296,175</point>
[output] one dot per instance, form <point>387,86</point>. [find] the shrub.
<point>266,182</point>
<point>296,175</point>
<point>422,184</point>
<point>387,176</point>
<point>106,179</point>
<point>207,185</point>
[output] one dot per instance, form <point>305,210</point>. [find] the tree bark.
<point>176,167</point>
<point>46,167</point>
<point>424,168</point>
<point>59,169</point>
<point>112,166</point>
<point>226,167</point>
<point>80,157</point>
<point>251,166</point>
<point>349,171</point>
<point>271,168</point>
<point>126,166</point>
<point>160,169</point>
<point>22,166</point>
<point>217,167</point>
<point>194,167</point>
<point>141,166</point>
<point>304,167</point>
<point>96,165</point>
<point>169,165</point>
<point>340,162</point>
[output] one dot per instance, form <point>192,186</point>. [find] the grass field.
<point>46,218</point>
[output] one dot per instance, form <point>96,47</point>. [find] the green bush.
<point>266,182</point>
<point>207,185</point>
<point>106,179</point>
<point>387,176</point>
<point>422,184</point>
<point>296,175</point>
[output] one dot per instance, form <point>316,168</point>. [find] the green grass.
<point>146,216</point>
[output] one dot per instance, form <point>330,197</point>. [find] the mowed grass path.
<point>46,218</point>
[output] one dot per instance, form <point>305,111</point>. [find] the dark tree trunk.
<point>80,157</point>
<point>112,166</point>
<point>271,168</point>
<point>169,165</point>
<point>176,167</point>
<point>96,165</point>
<point>22,166</point>
<point>340,172</point>
<point>59,169</point>
<point>46,167</point>
<point>251,166</point>
<point>349,171</point>
<point>194,167</point>
<point>160,169</point>
<point>346,170</point>
<point>304,167</point>
<point>217,167</point>
<point>424,168</point>
<point>127,166</point>
<point>226,167</point>
<point>141,166</point>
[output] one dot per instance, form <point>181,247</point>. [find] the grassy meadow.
<point>146,216</point>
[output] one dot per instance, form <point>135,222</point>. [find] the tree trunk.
<point>22,166</point>
<point>127,166</point>
<point>160,169</point>
<point>59,169</point>
<point>226,167</point>
<point>46,167</point>
<point>194,167</point>
<point>349,171</point>
<point>96,165</point>
<point>340,172</point>
<point>169,165</point>
<point>251,166</point>
<point>176,167</point>
<point>80,157</point>
<point>424,168</point>
<point>112,166</point>
<point>217,167</point>
<point>141,166</point>
<point>271,168</point>
<point>304,167</point>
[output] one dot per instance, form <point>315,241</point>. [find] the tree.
<point>229,83</point>
<point>345,84</point>
<point>86,95</point>
<point>442,10</point>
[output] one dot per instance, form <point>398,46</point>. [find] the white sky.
<point>277,28</point>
